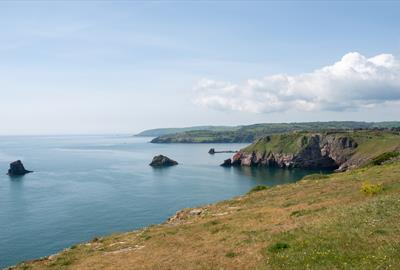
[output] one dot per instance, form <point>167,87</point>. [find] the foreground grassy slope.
<point>321,222</point>
<point>247,134</point>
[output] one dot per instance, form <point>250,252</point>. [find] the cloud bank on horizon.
<point>352,83</point>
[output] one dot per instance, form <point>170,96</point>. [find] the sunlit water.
<point>86,186</point>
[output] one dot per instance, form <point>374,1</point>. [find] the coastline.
<point>284,211</point>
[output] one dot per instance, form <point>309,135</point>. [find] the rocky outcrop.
<point>227,163</point>
<point>322,151</point>
<point>162,161</point>
<point>17,168</point>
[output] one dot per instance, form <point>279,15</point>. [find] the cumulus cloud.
<point>352,83</point>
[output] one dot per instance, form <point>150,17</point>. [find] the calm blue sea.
<point>87,186</point>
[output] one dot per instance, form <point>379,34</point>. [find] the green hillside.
<point>249,133</point>
<point>166,131</point>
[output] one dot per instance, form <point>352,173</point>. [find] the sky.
<point>96,67</point>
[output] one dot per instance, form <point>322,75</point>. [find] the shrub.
<point>230,254</point>
<point>62,261</point>
<point>278,247</point>
<point>258,188</point>
<point>381,231</point>
<point>371,189</point>
<point>384,157</point>
<point>298,213</point>
<point>95,239</point>
<point>212,223</point>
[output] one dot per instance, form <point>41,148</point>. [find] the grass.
<point>311,224</point>
<point>258,188</point>
<point>289,143</point>
<point>316,176</point>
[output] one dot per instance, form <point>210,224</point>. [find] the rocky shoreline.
<point>334,151</point>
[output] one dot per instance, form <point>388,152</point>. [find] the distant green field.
<point>247,134</point>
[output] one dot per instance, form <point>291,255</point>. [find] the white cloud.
<point>353,82</point>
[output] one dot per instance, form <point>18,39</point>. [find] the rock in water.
<point>211,151</point>
<point>17,168</point>
<point>162,161</point>
<point>227,163</point>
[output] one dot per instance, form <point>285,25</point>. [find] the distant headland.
<point>250,133</point>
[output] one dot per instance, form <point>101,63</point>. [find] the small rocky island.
<point>162,161</point>
<point>17,168</point>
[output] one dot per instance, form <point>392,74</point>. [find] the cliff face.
<point>325,151</point>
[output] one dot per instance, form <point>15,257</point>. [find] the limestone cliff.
<point>337,150</point>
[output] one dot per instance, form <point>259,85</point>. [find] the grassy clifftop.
<point>355,148</point>
<point>342,221</point>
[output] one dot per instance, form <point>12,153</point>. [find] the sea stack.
<point>17,168</point>
<point>162,161</point>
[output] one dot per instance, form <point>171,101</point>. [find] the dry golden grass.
<point>325,223</point>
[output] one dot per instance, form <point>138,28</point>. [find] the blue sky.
<point>120,67</point>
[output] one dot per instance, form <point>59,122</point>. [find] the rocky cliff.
<point>162,161</point>
<point>338,150</point>
<point>17,168</point>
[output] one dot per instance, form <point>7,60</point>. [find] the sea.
<point>89,186</point>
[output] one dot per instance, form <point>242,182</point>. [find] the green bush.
<point>384,157</point>
<point>278,247</point>
<point>371,189</point>
<point>258,188</point>
<point>230,254</point>
<point>298,213</point>
<point>212,223</point>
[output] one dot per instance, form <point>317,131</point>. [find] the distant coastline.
<point>249,133</point>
